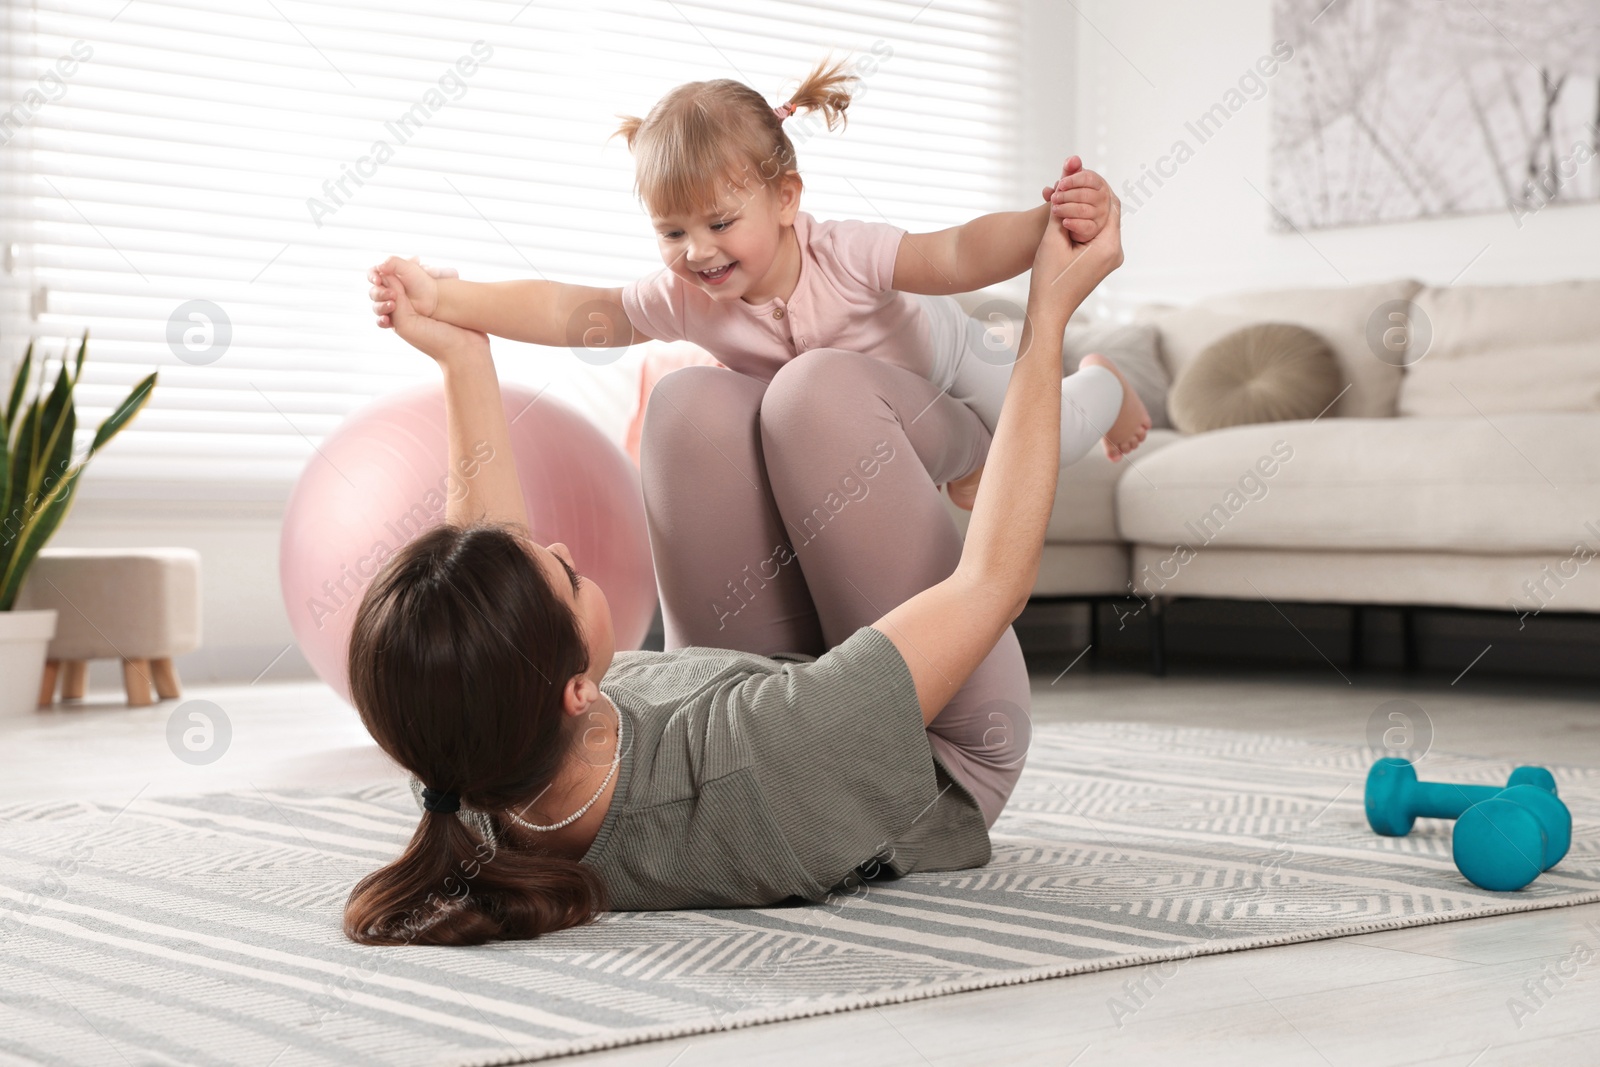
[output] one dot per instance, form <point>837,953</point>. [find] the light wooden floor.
<point>1433,995</point>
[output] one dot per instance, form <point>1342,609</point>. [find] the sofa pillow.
<point>1498,349</point>
<point>1525,378</point>
<point>1269,372</point>
<point>1136,350</point>
<point>1342,315</point>
<point>1471,320</point>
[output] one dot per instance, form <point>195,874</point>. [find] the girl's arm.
<point>540,312</point>
<point>1001,245</point>
<point>534,310</point>
<point>944,632</point>
<point>989,249</point>
<point>481,460</point>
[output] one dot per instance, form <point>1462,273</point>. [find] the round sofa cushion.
<point>1267,372</point>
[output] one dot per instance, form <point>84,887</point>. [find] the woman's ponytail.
<point>452,886</point>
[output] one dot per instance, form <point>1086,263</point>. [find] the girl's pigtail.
<point>826,89</point>
<point>629,129</point>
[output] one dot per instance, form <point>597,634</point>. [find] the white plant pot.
<point>24,638</point>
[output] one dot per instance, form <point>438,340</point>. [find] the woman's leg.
<point>855,450</point>
<point>727,576</point>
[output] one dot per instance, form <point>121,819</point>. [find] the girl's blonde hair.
<point>703,137</point>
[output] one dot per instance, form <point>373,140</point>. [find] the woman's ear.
<point>579,695</point>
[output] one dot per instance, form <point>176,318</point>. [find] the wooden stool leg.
<point>47,684</point>
<point>136,680</point>
<point>74,675</point>
<point>166,677</point>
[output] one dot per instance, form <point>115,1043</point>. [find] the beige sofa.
<point>1460,467</point>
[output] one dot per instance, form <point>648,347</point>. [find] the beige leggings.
<point>785,515</point>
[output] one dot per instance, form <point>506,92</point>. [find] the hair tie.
<point>783,111</point>
<point>442,802</point>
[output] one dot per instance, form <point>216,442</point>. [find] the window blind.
<point>203,184</point>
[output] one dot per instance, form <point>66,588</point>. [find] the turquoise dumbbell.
<point>1395,799</point>
<point>1503,843</point>
<point>1510,836</point>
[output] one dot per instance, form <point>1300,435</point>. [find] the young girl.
<point>558,778</point>
<point>756,282</point>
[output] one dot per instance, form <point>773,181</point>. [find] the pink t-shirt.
<point>843,299</point>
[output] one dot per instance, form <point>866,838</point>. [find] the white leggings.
<point>973,362</point>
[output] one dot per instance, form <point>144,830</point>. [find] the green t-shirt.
<point>747,780</point>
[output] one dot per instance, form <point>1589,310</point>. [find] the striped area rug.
<point>205,929</point>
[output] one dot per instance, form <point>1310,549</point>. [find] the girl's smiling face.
<point>729,252</point>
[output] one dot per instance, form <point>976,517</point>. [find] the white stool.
<point>139,605</point>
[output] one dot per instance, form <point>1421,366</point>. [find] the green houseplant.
<point>38,481</point>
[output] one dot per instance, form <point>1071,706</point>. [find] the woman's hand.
<point>444,342</point>
<point>420,284</point>
<point>1062,266</point>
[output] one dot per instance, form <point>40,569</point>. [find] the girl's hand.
<point>444,342</point>
<point>1072,166</point>
<point>419,282</point>
<point>1080,201</point>
<point>1062,265</point>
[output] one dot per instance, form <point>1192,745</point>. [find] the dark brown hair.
<point>459,656</point>
<point>703,132</point>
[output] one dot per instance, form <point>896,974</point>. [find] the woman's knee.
<point>678,392</point>
<point>684,406</point>
<point>821,383</point>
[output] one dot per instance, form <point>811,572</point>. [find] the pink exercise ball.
<point>382,478</point>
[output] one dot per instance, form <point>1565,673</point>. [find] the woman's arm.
<point>944,632</point>
<point>481,460</point>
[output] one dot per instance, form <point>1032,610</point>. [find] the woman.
<point>559,779</point>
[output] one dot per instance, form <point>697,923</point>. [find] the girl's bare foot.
<point>1133,421</point>
<point>964,491</point>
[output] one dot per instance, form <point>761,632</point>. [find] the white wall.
<point>1050,40</point>
<point>1146,67</point>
